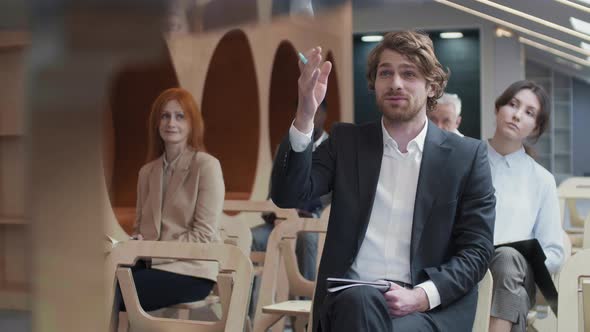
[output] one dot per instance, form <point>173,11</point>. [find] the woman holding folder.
<point>526,203</point>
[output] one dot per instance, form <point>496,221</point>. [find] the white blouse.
<point>527,206</point>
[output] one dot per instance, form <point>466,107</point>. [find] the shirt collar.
<point>173,163</point>
<point>509,160</point>
<point>417,141</point>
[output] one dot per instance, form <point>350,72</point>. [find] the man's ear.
<point>430,90</point>
<point>459,120</point>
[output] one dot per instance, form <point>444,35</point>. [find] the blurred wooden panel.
<point>12,67</point>
<point>14,39</point>
<point>12,178</point>
<point>16,254</point>
<point>69,90</point>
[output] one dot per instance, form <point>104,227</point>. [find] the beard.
<point>400,113</point>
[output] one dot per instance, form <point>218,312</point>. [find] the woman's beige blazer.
<point>190,211</point>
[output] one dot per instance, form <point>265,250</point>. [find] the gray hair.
<point>451,99</point>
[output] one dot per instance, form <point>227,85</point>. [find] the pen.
<point>302,58</point>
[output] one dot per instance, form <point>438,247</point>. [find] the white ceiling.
<point>549,10</point>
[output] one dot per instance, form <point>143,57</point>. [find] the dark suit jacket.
<point>454,212</point>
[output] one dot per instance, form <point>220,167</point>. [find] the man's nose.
<point>396,82</point>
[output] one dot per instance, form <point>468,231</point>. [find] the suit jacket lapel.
<point>369,157</point>
<point>431,169</point>
<point>180,173</point>
<point>155,182</point>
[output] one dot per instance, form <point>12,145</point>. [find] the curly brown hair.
<point>417,47</point>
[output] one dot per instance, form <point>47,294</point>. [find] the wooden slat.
<point>16,255</point>
<point>14,299</point>
<point>13,220</point>
<point>9,39</point>
<point>289,308</point>
<point>586,303</point>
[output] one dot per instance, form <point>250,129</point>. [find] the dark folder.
<point>533,253</point>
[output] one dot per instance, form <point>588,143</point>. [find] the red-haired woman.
<point>180,195</point>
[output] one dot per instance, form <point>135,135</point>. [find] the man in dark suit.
<point>394,215</point>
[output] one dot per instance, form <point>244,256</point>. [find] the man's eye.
<point>385,73</point>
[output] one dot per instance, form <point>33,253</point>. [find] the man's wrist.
<point>423,303</point>
<point>303,122</point>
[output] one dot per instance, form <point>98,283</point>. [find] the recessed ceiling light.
<point>501,32</point>
<point>535,19</point>
<point>451,35</point>
<point>515,27</point>
<point>372,38</point>
<point>580,25</point>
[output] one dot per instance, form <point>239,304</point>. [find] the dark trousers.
<point>364,309</point>
<point>158,289</point>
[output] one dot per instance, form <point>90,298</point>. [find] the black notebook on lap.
<point>533,253</point>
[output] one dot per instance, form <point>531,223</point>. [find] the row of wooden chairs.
<point>571,191</point>
<point>577,238</point>
<point>281,279</point>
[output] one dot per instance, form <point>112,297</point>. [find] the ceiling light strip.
<point>554,51</point>
<point>516,27</point>
<point>575,5</point>
<point>535,19</point>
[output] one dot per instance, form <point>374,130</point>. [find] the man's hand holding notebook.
<point>337,284</point>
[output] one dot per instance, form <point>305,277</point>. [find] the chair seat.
<point>577,240</point>
<point>531,317</point>
<point>290,308</point>
<point>573,231</point>
<point>209,300</point>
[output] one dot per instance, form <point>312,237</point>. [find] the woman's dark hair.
<point>543,114</point>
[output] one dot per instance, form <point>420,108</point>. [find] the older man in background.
<point>447,113</point>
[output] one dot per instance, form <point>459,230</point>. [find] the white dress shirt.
<point>527,206</point>
<point>385,251</point>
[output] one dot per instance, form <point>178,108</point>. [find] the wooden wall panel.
<point>16,255</point>
<point>12,177</point>
<point>11,90</point>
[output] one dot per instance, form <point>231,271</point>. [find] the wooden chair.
<point>570,190</point>
<point>231,232</point>
<point>257,257</point>
<point>234,233</point>
<point>261,207</point>
<point>574,294</point>
<point>232,264</point>
<point>273,302</point>
<point>484,304</point>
